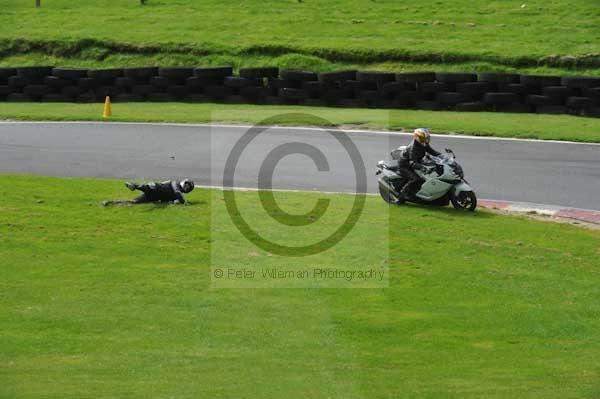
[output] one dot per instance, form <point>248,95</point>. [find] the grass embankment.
<point>547,127</point>
<point>107,302</point>
<point>542,36</point>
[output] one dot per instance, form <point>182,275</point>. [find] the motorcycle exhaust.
<point>388,187</point>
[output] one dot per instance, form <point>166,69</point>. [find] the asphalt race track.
<point>553,173</point>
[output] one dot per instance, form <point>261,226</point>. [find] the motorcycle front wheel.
<point>464,201</point>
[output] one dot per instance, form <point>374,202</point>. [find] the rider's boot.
<point>132,186</point>
<point>405,192</point>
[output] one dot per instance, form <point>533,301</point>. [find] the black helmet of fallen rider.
<point>187,185</point>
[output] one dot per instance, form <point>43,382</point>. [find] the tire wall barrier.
<point>502,92</point>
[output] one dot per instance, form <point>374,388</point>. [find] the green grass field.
<point>123,302</point>
<point>313,34</point>
<point>547,127</point>
<point>116,302</point>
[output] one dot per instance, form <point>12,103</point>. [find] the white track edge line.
<point>242,126</point>
<point>515,206</point>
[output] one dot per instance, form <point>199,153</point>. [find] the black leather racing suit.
<point>413,154</point>
<point>166,191</point>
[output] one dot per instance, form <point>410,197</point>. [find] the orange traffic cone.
<point>107,108</point>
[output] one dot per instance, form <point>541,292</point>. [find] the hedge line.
<point>507,92</point>
<point>69,48</point>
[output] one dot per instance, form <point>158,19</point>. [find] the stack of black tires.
<point>500,92</point>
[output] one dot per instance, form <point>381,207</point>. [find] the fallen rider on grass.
<point>166,192</point>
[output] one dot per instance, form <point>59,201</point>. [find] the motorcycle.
<point>442,177</point>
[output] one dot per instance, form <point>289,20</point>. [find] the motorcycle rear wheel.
<point>465,201</point>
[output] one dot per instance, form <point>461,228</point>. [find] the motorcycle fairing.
<point>433,189</point>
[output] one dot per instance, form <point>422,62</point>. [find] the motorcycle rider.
<point>412,157</point>
<point>167,191</point>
